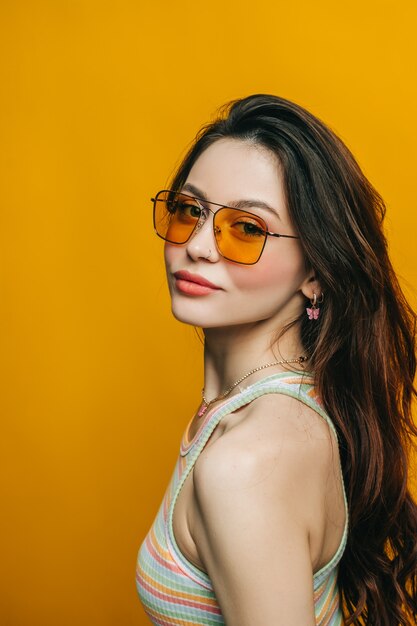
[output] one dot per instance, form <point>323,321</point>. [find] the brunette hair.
<point>362,348</point>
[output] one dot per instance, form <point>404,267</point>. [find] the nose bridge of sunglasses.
<point>203,218</point>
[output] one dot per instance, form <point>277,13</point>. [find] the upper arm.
<point>253,496</point>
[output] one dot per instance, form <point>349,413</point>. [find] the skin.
<point>263,508</point>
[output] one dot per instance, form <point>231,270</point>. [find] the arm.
<point>254,490</point>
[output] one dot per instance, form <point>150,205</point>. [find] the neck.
<point>231,352</point>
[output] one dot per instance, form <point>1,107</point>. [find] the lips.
<point>195,278</point>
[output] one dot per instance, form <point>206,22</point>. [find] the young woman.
<point>289,503</point>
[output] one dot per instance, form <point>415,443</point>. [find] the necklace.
<point>206,403</point>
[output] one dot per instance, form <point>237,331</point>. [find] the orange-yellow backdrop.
<point>98,101</point>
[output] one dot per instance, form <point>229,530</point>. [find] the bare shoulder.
<point>278,440</point>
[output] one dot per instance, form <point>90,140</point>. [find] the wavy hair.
<point>362,348</point>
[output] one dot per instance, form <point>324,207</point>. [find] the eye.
<point>185,207</point>
<point>189,209</point>
<point>249,228</point>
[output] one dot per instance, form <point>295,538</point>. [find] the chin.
<point>202,320</point>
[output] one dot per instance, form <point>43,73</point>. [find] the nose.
<point>202,244</point>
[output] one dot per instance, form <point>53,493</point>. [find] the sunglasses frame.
<point>199,223</point>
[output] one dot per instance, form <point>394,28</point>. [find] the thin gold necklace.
<point>206,403</point>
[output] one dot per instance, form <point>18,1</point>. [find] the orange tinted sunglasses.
<point>240,235</point>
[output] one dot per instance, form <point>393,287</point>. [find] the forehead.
<point>232,169</point>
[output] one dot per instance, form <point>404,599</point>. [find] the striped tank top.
<point>173,590</point>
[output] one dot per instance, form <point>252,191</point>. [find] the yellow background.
<point>98,102</point>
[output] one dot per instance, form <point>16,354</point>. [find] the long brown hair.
<point>362,347</point>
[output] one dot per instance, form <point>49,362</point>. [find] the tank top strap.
<point>299,385</point>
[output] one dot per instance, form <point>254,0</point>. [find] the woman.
<point>289,502</point>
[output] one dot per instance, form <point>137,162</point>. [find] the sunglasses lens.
<point>240,235</point>
<point>175,216</point>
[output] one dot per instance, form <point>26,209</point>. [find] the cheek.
<point>270,271</point>
<point>171,254</point>
<point>173,260</point>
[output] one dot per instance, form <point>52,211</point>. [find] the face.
<point>275,287</point>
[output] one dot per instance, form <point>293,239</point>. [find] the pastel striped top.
<point>173,590</point>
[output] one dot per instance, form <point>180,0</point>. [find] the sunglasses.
<point>240,235</point>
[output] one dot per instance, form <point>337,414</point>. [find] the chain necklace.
<point>206,403</point>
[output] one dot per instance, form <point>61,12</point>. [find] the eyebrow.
<point>237,204</point>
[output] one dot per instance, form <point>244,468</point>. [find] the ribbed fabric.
<point>173,590</point>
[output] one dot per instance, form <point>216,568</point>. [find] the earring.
<point>314,312</point>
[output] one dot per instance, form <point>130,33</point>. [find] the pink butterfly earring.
<point>314,312</point>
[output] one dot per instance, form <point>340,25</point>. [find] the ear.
<point>311,285</point>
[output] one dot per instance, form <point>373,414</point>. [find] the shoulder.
<point>278,440</point>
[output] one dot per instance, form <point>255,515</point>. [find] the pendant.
<point>203,408</point>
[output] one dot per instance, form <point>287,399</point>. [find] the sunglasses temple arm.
<point>279,235</point>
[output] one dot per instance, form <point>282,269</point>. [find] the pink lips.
<point>193,284</point>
